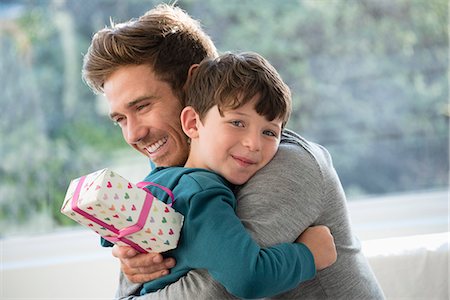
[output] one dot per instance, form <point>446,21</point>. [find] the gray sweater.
<point>297,189</point>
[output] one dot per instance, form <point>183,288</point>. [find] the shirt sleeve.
<point>219,243</point>
<point>105,243</point>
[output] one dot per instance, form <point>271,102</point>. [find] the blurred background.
<point>369,81</point>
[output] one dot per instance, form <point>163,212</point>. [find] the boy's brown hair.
<point>232,80</point>
<point>166,38</point>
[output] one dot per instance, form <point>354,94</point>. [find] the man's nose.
<point>135,131</point>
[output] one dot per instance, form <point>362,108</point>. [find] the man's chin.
<point>165,158</point>
<point>143,152</point>
<point>162,159</point>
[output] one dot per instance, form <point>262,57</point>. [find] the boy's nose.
<point>252,142</point>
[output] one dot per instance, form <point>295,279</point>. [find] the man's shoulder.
<point>296,149</point>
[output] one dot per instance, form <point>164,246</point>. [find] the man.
<point>142,67</point>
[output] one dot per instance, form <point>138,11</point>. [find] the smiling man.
<point>142,105</point>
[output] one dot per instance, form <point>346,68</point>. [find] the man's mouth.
<point>155,146</point>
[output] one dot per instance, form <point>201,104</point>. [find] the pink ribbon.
<point>143,185</point>
<point>120,234</point>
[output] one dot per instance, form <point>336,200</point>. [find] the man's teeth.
<point>157,145</point>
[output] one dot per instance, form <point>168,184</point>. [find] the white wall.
<point>72,265</point>
<point>413,267</point>
<point>63,265</point>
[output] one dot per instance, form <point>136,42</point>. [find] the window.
<point>369,81</point>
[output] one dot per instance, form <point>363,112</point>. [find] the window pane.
<point>369,81</point>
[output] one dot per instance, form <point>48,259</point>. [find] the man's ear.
<point>189,119</point>
<point>189,75</point>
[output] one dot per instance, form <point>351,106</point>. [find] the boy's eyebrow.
<point>273,122</point>
<point>275,125</point>
<point>237,113</point>
<point>133,103</point>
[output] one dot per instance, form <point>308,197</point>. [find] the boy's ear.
<point>189,75</point>
<point>189,118</point>
<point>192,69</point>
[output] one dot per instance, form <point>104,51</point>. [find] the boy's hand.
<point>321,244</point>
<point>142,267</point>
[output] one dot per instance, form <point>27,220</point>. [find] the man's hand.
<point>142,267</point>
<point>320,242</point>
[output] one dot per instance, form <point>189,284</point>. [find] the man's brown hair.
<point>166,38</point>
<point>232,80</point>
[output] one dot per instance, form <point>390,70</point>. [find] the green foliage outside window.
<point>369,80</point>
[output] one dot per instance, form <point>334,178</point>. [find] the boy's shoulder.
<point>196,178</point>
<point>205,178</point>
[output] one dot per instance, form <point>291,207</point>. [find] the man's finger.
<point>141,278</point>
<point>123,252</point>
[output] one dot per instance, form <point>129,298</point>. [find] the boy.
<point>236,108</point>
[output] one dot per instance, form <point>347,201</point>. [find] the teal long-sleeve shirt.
<point>213,238</point>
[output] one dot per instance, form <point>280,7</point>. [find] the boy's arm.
<point>317,238</point>
<point>320,242</point>
<point>217,241</point>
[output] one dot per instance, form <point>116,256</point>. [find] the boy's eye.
<point>270,133</point>
<point>237,123</point>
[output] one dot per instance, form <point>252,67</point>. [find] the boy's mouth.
<point>242,161</point>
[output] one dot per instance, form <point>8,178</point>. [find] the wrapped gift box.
<point>123,213</point>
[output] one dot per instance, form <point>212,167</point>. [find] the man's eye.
<point>140,107</point>
<point>119,121</point>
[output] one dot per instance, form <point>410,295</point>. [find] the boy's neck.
<point>192,161</point>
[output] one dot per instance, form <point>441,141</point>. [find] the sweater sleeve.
<point>219,243</point>
<point>284,198</point>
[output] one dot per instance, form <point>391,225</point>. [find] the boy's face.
<point>148,113</point>
<point>236,145</point>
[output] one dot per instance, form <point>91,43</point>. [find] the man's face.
<point>148,113</point>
